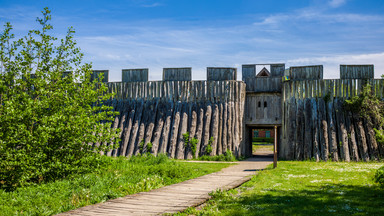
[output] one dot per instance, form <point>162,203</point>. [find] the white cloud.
<point>336,3</point>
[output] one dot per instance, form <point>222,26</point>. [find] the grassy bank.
<point>118,178</point>
<point>303,188</point>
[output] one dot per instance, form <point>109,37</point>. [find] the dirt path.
<point>177,197</point>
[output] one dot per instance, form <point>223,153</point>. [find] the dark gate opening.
<point>261,141</point>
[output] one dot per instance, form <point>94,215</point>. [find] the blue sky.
<point>154,34</point>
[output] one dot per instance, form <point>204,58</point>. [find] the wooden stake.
<point>275,149</point>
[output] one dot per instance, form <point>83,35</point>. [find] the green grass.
<point>303,188</point>
<point>262,146</point>
<point>119,178</point>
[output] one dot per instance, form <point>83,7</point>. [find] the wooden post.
<point>275,149</point>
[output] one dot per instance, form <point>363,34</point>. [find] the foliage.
<point>149,147</point>
<point>190,143</point>
<point>379,176</point>
<point>47,120</point>
<point>367,105</point>
<point>119,177</point>
<point>302,188</point>
<point>208,149</point>
<point>141,146</point>
<point>227,156</point>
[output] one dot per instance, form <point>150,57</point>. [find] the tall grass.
<point>117,178</point>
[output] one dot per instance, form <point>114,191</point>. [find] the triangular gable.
<point>263,73</point>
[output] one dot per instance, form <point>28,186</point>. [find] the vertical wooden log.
<point>175,131</point>
<point>214,128</point>
<point>308,145</point>
<point>123,113</point>
<point>361,137</point>
<point>135,127</point>
<point>192,131</point>
<point>148,107</point>
<point>207,124</point>
<point>315,130</point>
<point>161,110</point>
<point>332,131</point>
<point>225,127</point>
<point>300,130</point>
<point>182,130</point>
<point>291,129</point>
<point>230,126</point>
<point>199,129</point>
<point>128,128</point>
<point>116,106</point>
<point>372,144</point>
<point>164,142</point>
<point>352,137</point>
<point>343,135</point>
<point>220,131</point>
<point>323,129</point>
<point>151,123</point>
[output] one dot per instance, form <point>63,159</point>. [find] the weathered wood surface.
<point>335,88</point>
<point>176,197</point>
<point>134,75</point>
<point>161,112</point>
<point>177,74</point>
<point>263,84</point>
<point>249,70</point>
<point>220,73</point>
<point>323,130</point>
<point>306,72</point>
<point>356,71</point>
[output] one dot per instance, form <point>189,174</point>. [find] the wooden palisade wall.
<point>316,126</point>
<point>161,111</point>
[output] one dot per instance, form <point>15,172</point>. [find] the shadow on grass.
<point>330,199</point>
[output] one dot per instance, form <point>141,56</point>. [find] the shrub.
<point>379,176</point>
<point>190,143</point>
<point>49,121</point>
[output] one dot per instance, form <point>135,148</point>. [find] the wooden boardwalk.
<point>177,197</point>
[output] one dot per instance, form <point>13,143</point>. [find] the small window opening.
<point>265,103</point>
<point>259,104</point>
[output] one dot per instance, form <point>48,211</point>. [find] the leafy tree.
<point>49,122</point>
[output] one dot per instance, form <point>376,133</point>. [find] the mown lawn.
<point>120,177</point>
<point>303,188</point>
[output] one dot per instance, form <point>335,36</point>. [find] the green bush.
<point>49,121</point>
<point>227,156</point>
<point>190,143</point>
<point>379,176</point>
